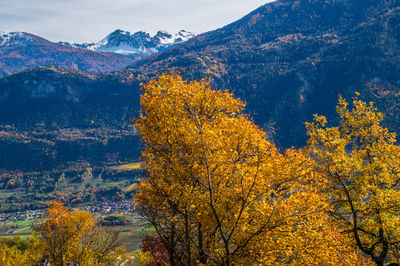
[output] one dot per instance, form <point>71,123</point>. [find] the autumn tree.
<point>217,192</point>
<point>152,252</point>
<point>74,236</point>
<point>17,252</point>
<point>362,163</point>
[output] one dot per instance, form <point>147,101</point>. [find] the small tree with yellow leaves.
<point>12,255</point>
<point>74,236</point>
<point>362,163</point>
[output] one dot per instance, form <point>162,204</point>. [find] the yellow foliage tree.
<point>73,236</point>
<point>218,192</point>
<point>362,164</point>
<point>143,258</point>
<point>12,256</point>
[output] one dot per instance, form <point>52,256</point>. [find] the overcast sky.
<point>92,20</point>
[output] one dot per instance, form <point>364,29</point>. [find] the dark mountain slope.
<point>65,98</point>
<point>291,59</point>
<point>54,117</point>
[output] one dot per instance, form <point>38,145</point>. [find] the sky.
<point>92,20</point>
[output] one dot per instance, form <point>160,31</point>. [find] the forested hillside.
<point>290,59</point>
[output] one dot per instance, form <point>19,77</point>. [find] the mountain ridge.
<point>139,43</point>
<point>21,50</point>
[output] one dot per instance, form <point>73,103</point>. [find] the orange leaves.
<point>65,223</point>
<point>57,209</point>
<point>62,232</point>
<point>67,236</point>
<point>218,192</point>
<point>74,236</point>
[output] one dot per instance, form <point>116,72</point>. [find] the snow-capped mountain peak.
<point>139,43</point>
<point>14,38</point>
<point>165,38</point>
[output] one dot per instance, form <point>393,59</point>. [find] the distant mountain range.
<point>138,44</point>
<point>288,60</point>
<point>20,50</point>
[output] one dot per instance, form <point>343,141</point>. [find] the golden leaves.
<point>218,192</point>
<point>361,163</point>
<point>74,236</point>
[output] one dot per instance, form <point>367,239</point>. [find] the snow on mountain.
<point>14,38</point>
<point>137,44</point>
<point>170,39</point>
<point>21,50</point>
